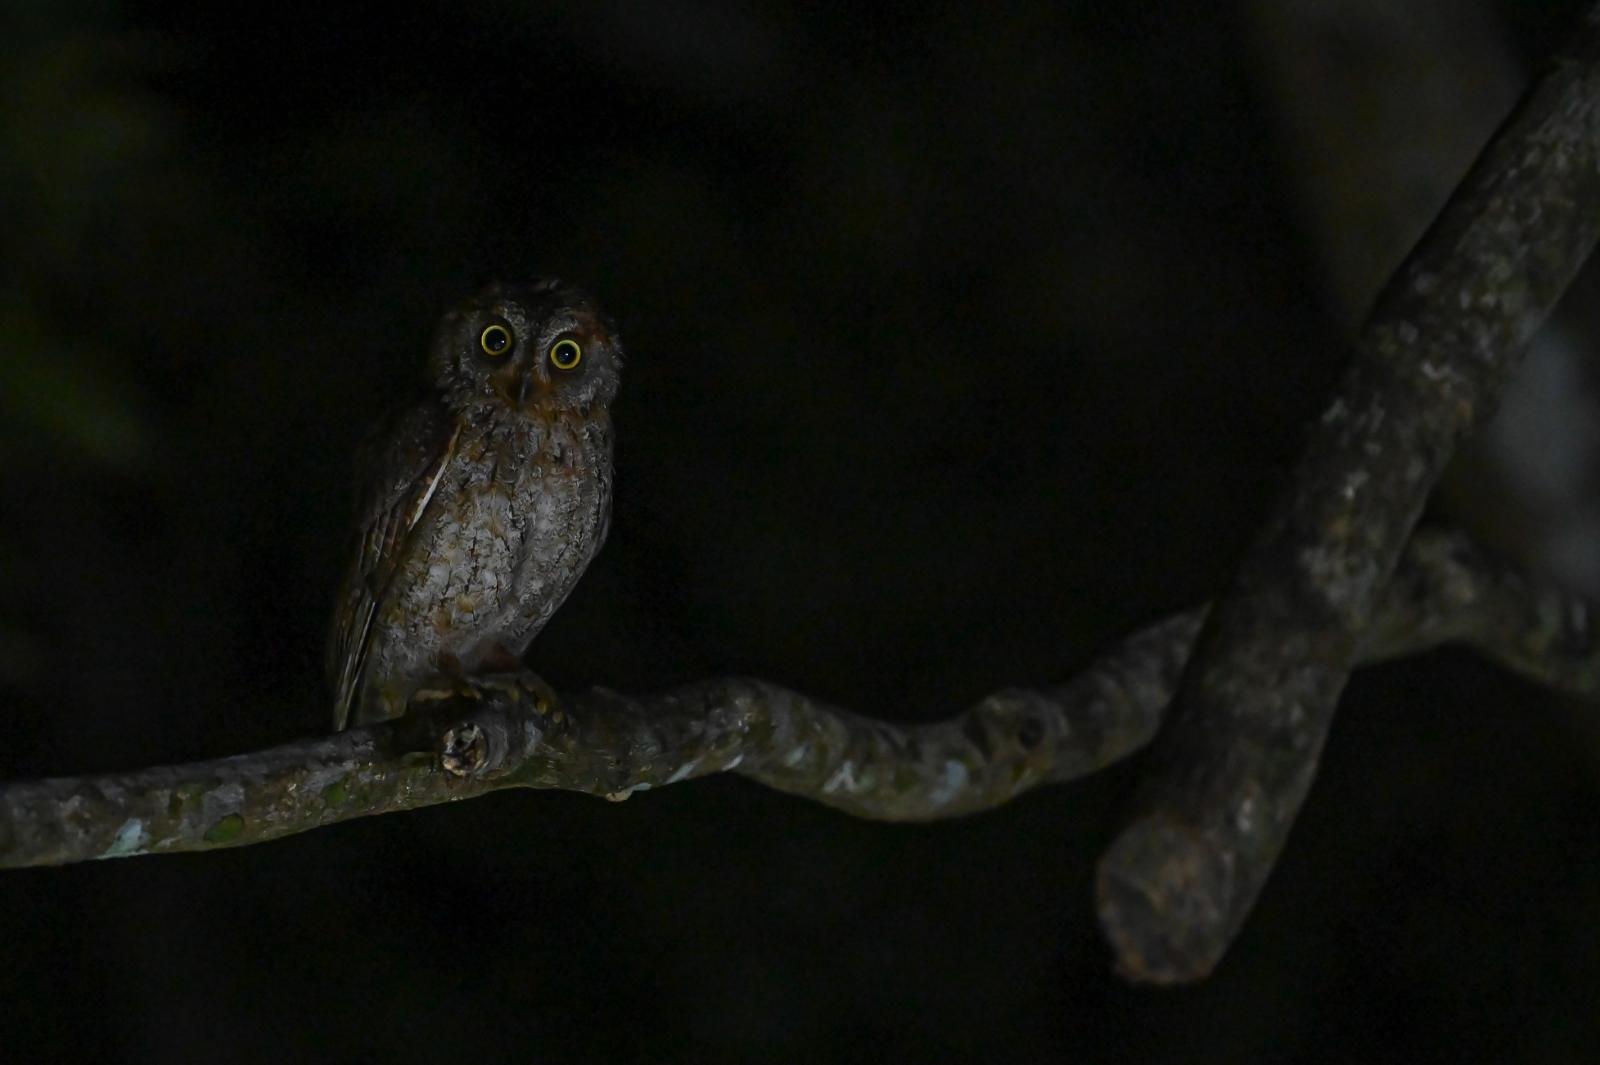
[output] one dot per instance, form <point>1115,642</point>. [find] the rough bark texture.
<point>1229,772</point>
<point>512,731</point>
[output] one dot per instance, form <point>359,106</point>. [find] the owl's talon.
<point>499,684</point>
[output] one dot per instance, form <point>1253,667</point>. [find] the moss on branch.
<point>511,730</point>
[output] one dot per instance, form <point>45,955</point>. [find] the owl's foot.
<point>499,671</point>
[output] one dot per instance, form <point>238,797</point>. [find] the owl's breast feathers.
<point>466,552</point>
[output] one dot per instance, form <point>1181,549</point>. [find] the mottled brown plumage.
<point>483,503</point>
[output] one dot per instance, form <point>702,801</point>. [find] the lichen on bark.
<point>1235,762</point>
<point>511,731</point>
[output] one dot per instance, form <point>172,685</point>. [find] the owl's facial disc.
<point>562,359</point>
<point>559,366</point>
<point>528,382</point>
<point>536,349</point>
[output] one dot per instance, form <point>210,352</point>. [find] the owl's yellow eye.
<point>565,354</point>
<point>495,340</point>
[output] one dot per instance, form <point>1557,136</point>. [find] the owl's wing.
<point>403,467</point>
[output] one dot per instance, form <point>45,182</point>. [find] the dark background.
<point>963,341</point>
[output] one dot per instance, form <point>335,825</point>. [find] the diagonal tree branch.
<point>512,731</point>
<point>1230,770</point>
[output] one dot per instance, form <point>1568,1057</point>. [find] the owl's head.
<point>543,346</point>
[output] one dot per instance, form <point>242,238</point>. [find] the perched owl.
<point>484,503</point>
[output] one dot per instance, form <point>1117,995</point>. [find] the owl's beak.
<point>532,382</point>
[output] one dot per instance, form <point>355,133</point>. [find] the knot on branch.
<point>495,739</point>
<point>463,749</point>
<point>491,722</point>
<point>1014,724</point>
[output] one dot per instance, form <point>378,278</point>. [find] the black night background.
<point>963,341</point>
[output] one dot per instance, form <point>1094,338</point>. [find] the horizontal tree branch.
<point>1229,772</point>
<point>512,731</point>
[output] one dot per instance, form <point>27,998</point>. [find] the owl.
<point>484,503</point>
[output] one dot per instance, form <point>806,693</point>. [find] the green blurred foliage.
<point>50,392</point>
